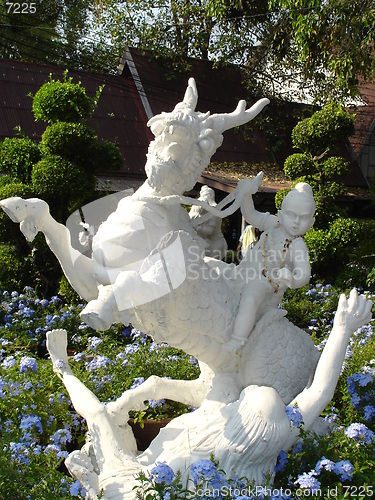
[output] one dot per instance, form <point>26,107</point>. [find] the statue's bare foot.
<point>235,344</point>
<point>15,208</point>
<point>57,344</point>
<point>30,213</point>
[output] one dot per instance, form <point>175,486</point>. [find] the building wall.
<point>366,157</point>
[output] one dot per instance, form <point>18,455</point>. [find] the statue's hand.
<point>249,186</point>
<point>285,275</point>
<point>353,313</point>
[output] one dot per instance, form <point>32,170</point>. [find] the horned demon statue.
<point>149,267</point>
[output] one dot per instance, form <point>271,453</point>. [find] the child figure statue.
<point>279,260</point>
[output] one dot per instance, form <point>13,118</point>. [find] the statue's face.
<point>296,216</point>
<point>169,157</point>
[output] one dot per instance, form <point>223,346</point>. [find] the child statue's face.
<point>296,216</point>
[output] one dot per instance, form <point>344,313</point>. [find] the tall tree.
<point>301,47</point>
<point>53,31</point>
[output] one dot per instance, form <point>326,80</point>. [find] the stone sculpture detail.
<point>150,267</point>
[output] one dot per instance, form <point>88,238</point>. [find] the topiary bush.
<point>332,250</point>
<point>299,164</point>
<point>61,170</point>
<point>344,232</point>
<point>62,101</point>
<point>17,157</point>
<point>15,272</point>
<point>60,181</point>
<point>325,129</point>
<point>318,139</point>
<point>68,140</point>
<point>103,155</point>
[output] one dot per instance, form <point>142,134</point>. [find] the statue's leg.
<point>252,299</point>
<point>111,444</point>
<point>191,392</point>
<point>33,216</point>
<point>131,289</point>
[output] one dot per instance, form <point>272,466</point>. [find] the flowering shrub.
<point>38,426</point>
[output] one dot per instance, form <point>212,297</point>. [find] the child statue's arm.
<point>244,190</point>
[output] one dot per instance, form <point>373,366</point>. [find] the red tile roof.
<point>119,116</point>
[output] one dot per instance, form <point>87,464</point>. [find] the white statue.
<point>209,229</point>
<point>279,260</point>
<point>148,267</point>
<point>245,436</point>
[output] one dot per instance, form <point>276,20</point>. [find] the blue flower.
<point>27,312</point>
<point>137,381</point>
<point>61,436</point>
<point>308,481</point>
<point>162,473</point>
<point>19,453</point>
<point>344,469</point>
<point>282,460</point>
<point>27,364</point>
<point>294,415</point>
<point>31,422</point>
<point>94,342</point>
<point>8,362</point>
<point>55,300</point>
<point>132,348</point>
<point>98,362</point>
<point>368,412</point>
<point>360,433</point>
<point>53,448</point>
<point>79,357</point>
<point>203,469</point>
<point>324,463</point>
<point>76,489</point>
<point>154,403</point>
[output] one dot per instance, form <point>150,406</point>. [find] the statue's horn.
<point>240,116</point>
<point>190,98</point>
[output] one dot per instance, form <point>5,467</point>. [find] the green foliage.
<point>62,101</point>
<point>318,137</point>
<point>344,232</point>
<point>15,270</point>
<point>334,166</point>
<point>332,249</point>
<point>104,156</point>
<point>299,164</point>
<point>333,40</point>
<point>108,362</point>
<point>68,140</point>
<point>370,279</point>
<point>61,181</point>
<point>319,248</point>
<point>67,293</point>
<point>17,157</point>
<point>325,129</point>
<point>61,171</point>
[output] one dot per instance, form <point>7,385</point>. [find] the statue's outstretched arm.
<point>351,314</point>
<point>33,216</point>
